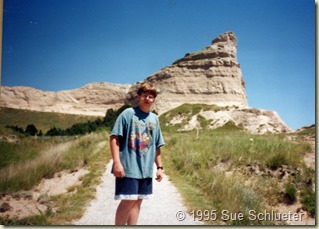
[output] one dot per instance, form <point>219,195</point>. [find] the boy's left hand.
<point>159,175</point>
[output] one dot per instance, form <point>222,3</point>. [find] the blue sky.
<point>57,45</point>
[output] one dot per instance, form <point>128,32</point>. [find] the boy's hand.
<point>118,170</point>
<point>159,175</point>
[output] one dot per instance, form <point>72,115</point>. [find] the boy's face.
<point>146,100</point>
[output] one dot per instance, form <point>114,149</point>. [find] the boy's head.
<point>146,94</point>
<point>147,88</point>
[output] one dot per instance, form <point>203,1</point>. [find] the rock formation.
<point>210,76</point>
<point>92,99</point>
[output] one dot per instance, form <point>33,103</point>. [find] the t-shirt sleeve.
<point>118,128</point>
<point>159,140</point>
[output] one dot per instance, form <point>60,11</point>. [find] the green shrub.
<point>276,160</point>
<point>308,200</point>
<point>290,194</point>
<point>31,130</point>
<point>32,220</point>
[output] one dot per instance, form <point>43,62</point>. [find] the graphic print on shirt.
<point>141,137</point>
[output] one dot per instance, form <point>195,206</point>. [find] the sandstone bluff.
<point>92,99</point>
<point>209,76</point>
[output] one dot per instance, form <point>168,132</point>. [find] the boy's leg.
<point>135,211</point>
<point>123,212</point>
<point>127,212</point>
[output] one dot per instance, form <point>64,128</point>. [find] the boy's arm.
<point>118,169</point>
<point>158,162</point>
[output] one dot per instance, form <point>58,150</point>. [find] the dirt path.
<point>163,209</point>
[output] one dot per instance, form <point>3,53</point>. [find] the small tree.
<point>54,132</point>
<point>109,118</point>
<point>31,130</point>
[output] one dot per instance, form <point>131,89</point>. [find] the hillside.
<point>42,120</point>
<point>203,116</point>
<point>92,100</point>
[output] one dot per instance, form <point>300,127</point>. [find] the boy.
<point>135,144</point>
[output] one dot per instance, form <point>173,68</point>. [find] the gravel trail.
<point>164,209</point>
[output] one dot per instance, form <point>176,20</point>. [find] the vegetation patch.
<point>230,169</point>
<point>87,151</point>
<point>185,112</point>
<point>42,120</point>
<point>308,199</point>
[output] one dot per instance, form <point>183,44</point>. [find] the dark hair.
<point>147,88</point>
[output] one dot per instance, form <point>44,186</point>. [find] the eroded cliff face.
<point>210,76</point>
<point>92,99</point>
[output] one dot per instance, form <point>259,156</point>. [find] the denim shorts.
<point>133,189</point>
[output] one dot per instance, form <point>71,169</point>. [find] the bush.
<point>308,200</point>
<point>31,130</point>
<point>276,160</point>
<point>290,194</point>
<point>111,116</point>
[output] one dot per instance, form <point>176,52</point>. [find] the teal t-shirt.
<point>139,135</point>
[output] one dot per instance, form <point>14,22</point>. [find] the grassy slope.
<point>90,152</point>
<point>26,162</point>
<point>230,169</point>
<point>42,120</point>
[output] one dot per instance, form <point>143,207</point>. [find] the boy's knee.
<point>138,202</point>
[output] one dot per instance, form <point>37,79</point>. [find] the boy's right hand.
<point>118,170</point>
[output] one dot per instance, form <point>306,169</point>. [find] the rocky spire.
<point>211,76</point>
<point>223,47</point>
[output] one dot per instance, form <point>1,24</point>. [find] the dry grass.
<point>26,174</point>
<point>215,169</point>
<point>88,151</point>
